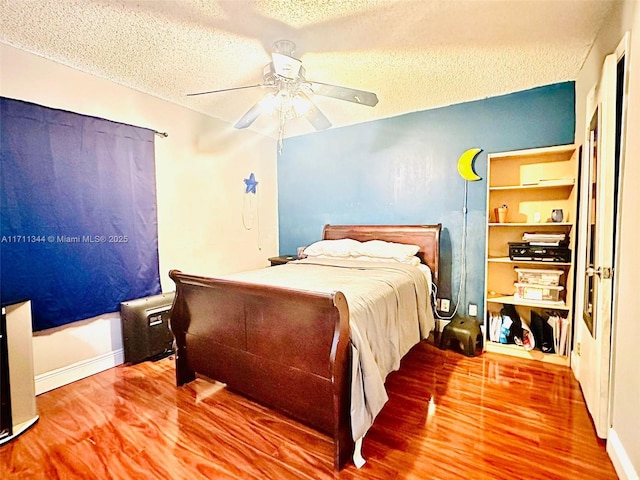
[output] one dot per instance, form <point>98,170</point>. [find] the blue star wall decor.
<point>251,184</point>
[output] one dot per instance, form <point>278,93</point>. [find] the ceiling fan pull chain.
<point>282,120</point>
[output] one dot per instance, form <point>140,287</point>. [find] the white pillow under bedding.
<point>381,249</point>
<point>343,248</point>
<point>415,261</point>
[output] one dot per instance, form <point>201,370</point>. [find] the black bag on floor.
<point>542,332</point>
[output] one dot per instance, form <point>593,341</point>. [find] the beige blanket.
<point>389,312</point>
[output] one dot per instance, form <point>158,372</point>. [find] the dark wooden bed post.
<point>179,315</point>
<point>341,372</point>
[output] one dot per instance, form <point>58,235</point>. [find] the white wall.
<point>623,442</point>
<point>200,169</point>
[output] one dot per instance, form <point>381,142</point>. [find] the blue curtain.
<point>78,230</point>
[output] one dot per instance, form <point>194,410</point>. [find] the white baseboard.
<point>76,371</point>
<point>619,458</point>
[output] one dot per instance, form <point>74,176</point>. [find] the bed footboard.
<point>262,341</point>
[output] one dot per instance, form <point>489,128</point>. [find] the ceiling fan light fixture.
<point>269,103</point>
<point>300,105</point>
<point>291,94</point>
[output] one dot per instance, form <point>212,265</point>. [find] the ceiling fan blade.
<point>249,117</point>
<point>344,93</point>
<point>314,115</point>
<point>228,89</point>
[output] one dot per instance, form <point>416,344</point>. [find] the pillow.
<point>382,249</point>
<point>343,248</point>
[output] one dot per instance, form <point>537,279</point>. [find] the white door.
<point>594,306</point>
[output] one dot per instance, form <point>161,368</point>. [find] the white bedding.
<point>389,312</point>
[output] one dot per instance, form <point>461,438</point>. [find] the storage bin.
<point>538,276</point>
<point>541,293</point>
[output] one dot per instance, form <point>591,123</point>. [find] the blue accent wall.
<point>403,170</point>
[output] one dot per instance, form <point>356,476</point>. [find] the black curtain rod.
<point>161,134</point>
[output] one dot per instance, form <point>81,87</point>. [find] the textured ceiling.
<point>415,54</point>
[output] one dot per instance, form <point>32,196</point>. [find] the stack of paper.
<point>495,326</point>
<point>560,326</point>
<point>545,238</point>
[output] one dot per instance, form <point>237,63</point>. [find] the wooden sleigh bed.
<point>263,340</point>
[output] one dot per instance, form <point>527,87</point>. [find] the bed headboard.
<point>427,237</point>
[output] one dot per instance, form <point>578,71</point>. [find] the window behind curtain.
<point>78,227</point>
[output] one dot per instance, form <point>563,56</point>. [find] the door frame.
<point>580,328</point>
<point>622,52</point>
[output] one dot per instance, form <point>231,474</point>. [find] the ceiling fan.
<point>290,92</point>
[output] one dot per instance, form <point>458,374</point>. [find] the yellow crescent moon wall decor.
<point>465,164</point>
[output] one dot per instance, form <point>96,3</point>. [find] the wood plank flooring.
<point>449,417</point>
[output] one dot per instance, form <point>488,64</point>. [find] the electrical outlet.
<point>444,305</point>
<point>473,310</point>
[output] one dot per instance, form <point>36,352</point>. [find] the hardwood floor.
<point>449,417</point>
